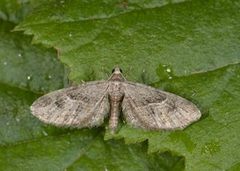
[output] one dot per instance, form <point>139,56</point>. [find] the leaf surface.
<point>92,37</point>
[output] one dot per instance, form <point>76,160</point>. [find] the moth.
<point>142,106</point>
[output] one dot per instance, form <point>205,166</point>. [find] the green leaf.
<point>28,144</point>
<point>15,10</point>
<point>190,48</point>
<point>21,66</point>
<point>92,37</point>
<point>24,73</point>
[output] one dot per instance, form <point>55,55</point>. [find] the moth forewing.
<point>153,109</point>
<point>81,106</point>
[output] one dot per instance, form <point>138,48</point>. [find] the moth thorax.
<point>115,96</point>
<point>116,91</point>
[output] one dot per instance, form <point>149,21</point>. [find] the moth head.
<point>117,75</point>
<point>117,70</point>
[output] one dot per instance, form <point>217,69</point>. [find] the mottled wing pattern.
<point>81,106</point>
<point>153,109</point>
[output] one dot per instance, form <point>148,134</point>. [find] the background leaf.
<point>15,10</point>
<point>190,48</point>
<point>92,36</point>
<point>26,72</point>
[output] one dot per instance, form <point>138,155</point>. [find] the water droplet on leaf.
<point>45,133</point>
<point>168,70</point>
<point>29,77</point>
<point>17,119</point>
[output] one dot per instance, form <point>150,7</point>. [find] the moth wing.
<point>153,109</point>
<point>81,106</point>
